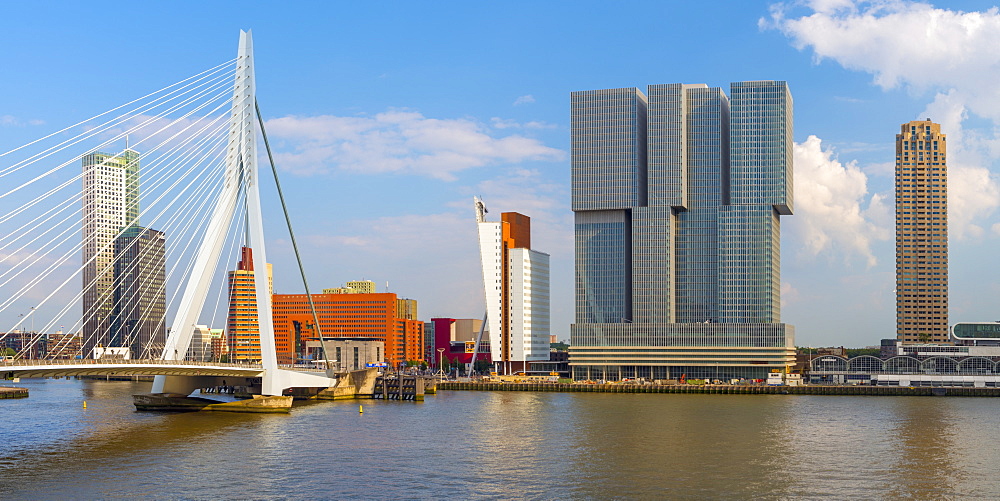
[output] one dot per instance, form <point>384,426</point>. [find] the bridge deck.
<point>61,368</point>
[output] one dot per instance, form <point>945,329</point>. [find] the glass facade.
<point>110,205</point>
<point>697,229</point>
<point>749,264</point>
<point>677,199</point>
<point>602,266</point>
<point>976,330</point>
<point>653,243</point>
<point>139,318</point>
<point>609,149</point>
<point>761,144</point>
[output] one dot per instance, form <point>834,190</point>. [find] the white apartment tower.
<point>516,282</point>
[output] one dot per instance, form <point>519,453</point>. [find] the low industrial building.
<point>905,370</point>
<point>348,354</point>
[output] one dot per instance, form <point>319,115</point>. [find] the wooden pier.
<point>12,392</point>
<point>728,389</point>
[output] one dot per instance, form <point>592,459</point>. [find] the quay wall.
<point>727,389</point>
<point>11,392</point>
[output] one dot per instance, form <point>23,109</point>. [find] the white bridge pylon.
<point>241,178</point>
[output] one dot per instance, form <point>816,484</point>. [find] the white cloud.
<point>922,48</point>
<point>973,190</point>
<point>338,241</point>
<point>507,123</point>
<point>973,196</point>
<point>904,43</point>
<point>397,141</point>
<point>881,169</point>
<point>429,257</point>
<point>12,121</point>
<point>828,204</point>
<point>881,216</point>
<point>434,257</point>
<point>527,99</point>
<point>544,201</point>
<point>789,294</point>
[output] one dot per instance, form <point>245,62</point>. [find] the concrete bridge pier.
<point>172,393</point>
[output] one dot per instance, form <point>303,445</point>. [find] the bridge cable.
<point>40,226</point>
<point>210,70</point>
<point>163,170</point>
<point>291,233</point>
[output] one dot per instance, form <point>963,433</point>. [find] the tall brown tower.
<point>921,234</point>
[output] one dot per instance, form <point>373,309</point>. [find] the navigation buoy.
<point>361,409</point>
<point>84,404</point>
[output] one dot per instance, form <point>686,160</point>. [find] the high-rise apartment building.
<point>110,204</point>
<point>677,200</point>
<point>516,280</point>
<point>140,299</point>
<point>242,329</point>
<point>921,233</point>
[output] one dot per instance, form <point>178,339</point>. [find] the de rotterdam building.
<point>677,197</point>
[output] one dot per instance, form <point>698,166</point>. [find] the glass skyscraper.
<point>677,199</point>
<point>140,299</point>
<point>110,204</point>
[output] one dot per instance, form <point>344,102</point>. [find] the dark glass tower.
<point>140,292</point>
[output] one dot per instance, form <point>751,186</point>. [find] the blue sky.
<point>388,117</point>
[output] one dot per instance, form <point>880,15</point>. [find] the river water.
<point>509,445</point>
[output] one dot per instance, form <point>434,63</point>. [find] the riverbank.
<point>727,389</point>
<point>11,392</point>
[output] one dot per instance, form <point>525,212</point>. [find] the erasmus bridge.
<point>196,142</point>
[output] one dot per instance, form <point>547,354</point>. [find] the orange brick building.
<point>242,330</point>
<point>345,316</point>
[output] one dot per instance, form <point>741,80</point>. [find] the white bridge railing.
<point>141,362</point>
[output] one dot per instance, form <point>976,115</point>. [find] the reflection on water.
<point>500,445</point>
<point>924,450</point>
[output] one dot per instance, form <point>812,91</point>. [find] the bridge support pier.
<point>180,403</point>
<point>185,385</point>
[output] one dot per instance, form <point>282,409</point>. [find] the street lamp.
<point>440,361</point>
<point>810,367</point>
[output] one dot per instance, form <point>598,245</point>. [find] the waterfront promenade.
<point>726,389</point>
